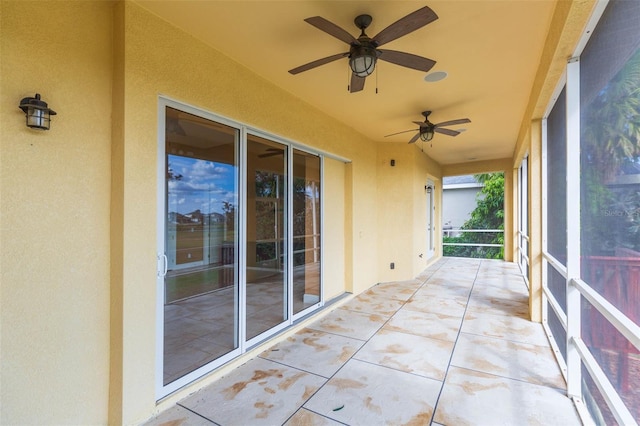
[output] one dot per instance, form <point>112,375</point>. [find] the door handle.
<point>162,272</point>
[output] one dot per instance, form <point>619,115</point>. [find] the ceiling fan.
<point>427,128</point>
<point>364,51</point>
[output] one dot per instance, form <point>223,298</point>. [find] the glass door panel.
<point>266,260</point>
<point>306,230</point>
<point>201,243</point>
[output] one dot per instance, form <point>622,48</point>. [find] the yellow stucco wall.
<point>173,64</point>
<point>402,223</point>
<point>394,193</point>
<point>333,204</point>
<point>54,241</point>
<point>79,202</point>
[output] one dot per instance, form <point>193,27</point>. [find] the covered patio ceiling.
<point>490,51</point>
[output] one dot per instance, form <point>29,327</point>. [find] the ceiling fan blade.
<point>453,122</point>
<point>357,83</point>
<point>408,60</point>
<point>446,131</point>
<point>317,63</point>
<point>331,29</point>
<point>403,26</point>
<point>420,123</point>
<point>398,133</point>
<point>415,138</point>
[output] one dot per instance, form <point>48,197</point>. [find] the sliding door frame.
<point>240,263</point>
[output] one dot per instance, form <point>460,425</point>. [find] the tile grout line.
<point>196,413</point>
<point>446,373</point>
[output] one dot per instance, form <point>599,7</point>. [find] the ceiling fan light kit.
<point>362,61</point>
<point>427,129</point>
<point>363,52</point>
<point>427,134</point>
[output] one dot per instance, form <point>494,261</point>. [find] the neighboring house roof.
<point>464,181</point>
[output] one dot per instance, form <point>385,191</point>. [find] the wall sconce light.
<point>37,112</point>
<point>429,189</point>
<point>426,134</point>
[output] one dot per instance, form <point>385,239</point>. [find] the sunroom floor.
<point>453,346</point>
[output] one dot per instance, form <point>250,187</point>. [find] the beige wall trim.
<point>475,167</point>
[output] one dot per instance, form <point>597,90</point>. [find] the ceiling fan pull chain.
<point>349,79</point>
<point>376,70</point>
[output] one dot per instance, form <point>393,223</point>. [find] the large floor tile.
<point>426,324</point>
<point>397,290</point>
<point>441,288</point>
<point>437,305</point>
<point>515,293</point>
<point>473,398</point>
<point>500,306</point>
<point>510,282</point>
<point>261,392</point>
<point>466,276</point>
<point>314,351</point>
<point>530,363</point>
<point>366,394</point>
<point>373,304</point>
<point>358,325</point>
<point>515,328</point>
<point>409,353</point>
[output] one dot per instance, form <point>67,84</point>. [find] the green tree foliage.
<point>610,143</point>
<point>488,214</point>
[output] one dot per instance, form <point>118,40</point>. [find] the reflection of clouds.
<point>204,185</point>
<point>206,169</point>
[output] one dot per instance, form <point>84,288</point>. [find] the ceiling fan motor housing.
<point>363,21</point>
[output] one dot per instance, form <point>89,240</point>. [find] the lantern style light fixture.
<point>362,60</point>
<point>427,134</point>
<point>37,111</point>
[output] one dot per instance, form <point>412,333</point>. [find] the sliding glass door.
<point>266,257</point>
<point>239,244</point>
<point>201,243</point>
<point>306,230</point>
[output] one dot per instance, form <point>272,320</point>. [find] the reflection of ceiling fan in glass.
<point>271,152</point>
<point>364,51</point>
<point>427,129</point>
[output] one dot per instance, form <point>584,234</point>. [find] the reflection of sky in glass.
<point>204,185</point>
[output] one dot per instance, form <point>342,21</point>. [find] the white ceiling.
<point>490,50</point>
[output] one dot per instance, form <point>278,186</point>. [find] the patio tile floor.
<point>451,347</point>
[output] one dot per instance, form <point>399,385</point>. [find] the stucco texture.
<point>54,240</point>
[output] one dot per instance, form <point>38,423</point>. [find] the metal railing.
<point>448,232</point>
